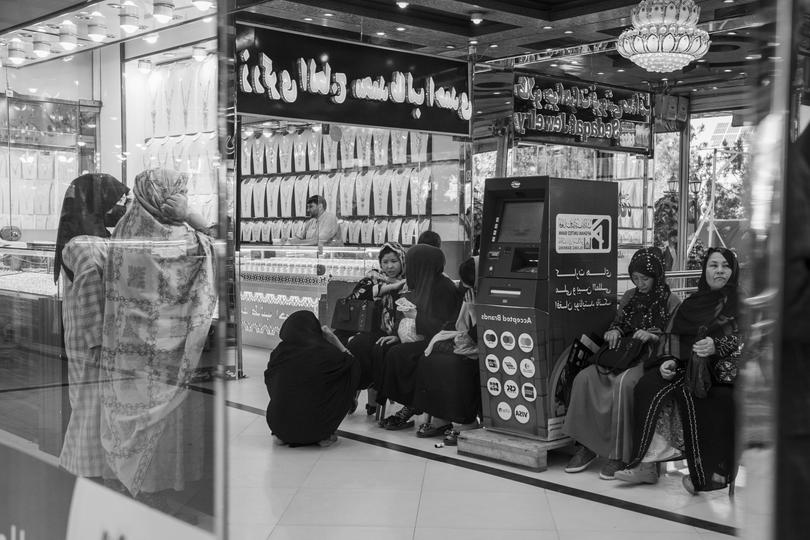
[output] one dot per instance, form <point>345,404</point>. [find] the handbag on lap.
<point>355,315</point>
<point>627,354</point>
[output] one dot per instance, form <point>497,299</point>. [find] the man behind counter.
<point>321,228</point>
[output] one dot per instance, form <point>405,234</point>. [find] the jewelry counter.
<point>277,281</point>
<point>33,398</point>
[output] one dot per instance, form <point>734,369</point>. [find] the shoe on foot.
<point>608,472</point>
<point>581,460</point>
<point>429,430</point>
<point>329,441</point>
<point>644,473</point>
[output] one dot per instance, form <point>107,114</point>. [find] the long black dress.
<point>437,303</point>
<point>310,382</point>
<point>708,422</point>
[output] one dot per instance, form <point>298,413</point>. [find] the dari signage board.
<point>296,76</point>
<point>554,111</point>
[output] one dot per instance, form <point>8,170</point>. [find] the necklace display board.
<point>406,196</point>
<point>43,144</point>
<point>171,123</point>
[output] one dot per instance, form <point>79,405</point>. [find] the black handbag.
<point>627,353</point>
<point>355,315</point>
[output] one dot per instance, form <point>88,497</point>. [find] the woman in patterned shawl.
<point>600,414</point>
<point>685,401</point>
<point>160,299</point>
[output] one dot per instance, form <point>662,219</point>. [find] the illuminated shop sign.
<point>582,114</point>
<point>303,77</point>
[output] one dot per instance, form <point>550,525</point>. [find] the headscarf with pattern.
<point>646,311</point>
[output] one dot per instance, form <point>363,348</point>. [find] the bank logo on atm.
<point>583,233</point>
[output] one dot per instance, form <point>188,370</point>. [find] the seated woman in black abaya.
<point>437,303</point>
<point>685,402</point>
<point>311,379</point>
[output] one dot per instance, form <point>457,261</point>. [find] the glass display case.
<point>31,348</point>
<point>275,282</point>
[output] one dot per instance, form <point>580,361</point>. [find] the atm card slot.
<point>509,293</point>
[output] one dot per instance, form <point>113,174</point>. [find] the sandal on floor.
<point>451,437</point>
<point>397,422</point>
<point>712,486</point>
<point>428,430</point>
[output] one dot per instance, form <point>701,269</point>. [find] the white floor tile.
<point>443,477</point>
<point>249,531</point>
<point>627,535</point>
<point>485,510</point>
<point>268,472</point>
<point>370,475</point>
<point>257,505</point>
<point>298,532</point>
<point>482,534</point>
<point>575,514</point>
<point>352,508</point>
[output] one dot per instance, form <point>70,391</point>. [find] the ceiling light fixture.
<point>97,31</point>
<point>380,34</point>
<point>145,66</point>
<point>308,19</point>
<point>493,46</point>
<point>41,48</point>
<point>476,17</point>
<point>199,53</point>
<point>151,39</point>
<point>402,5</point>
<point>128,21</point>
<point>328,15</point>
<point>202,5</point>
<point>163,10</point>
<point>473,42</point>
<point>664,36</point>
<point>16,54</point>
<point>568,32</point>
<point>67,36</point>
<point>400,28</point>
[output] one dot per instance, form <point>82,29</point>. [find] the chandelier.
<point>664,36</point>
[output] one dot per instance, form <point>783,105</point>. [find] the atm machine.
<point>547,274</point>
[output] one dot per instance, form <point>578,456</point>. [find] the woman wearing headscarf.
<point>684,403</point>
<point>382,286</point>
<point>448,386</point>
<point>92,203</point>
<point>311,379</point>
<point>600,413</point>
<point>436,303</point>
<point>160,298</point>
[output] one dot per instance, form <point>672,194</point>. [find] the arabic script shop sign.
<point>295,76</point>
<point>547,110</point>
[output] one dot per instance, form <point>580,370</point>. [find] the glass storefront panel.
<point>107,276</point>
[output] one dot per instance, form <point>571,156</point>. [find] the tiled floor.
<point>357,490</point>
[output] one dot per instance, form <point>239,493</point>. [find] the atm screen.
<point>521,222</point>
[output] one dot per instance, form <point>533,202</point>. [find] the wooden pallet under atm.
<point>530,454</point>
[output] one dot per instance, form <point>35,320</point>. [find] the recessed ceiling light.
<point>380,33</point>
<point>742,73</point>
<point>328,15</point>
<point>308,19</point>
<point>664,79</point>
<point>400,28</point>
<point>552,65</point>
<point>151,38</point>
<point>575,62</point>
<point>732,33</point>
<point>753,57</point>
<point>480,112</point>
<point>473,42</point>
<point>568,32</point>
<point>476,17</point>
<point>620,70</point>
<point>726,71</point>
<point>402,5</point>
<point>702,61</point>
<point>694,89</point>
<point>548,28</point>
<point>449,47</point>
<point>714,88</point>
<point>600,73</point>
<point>496,93</point>
<point>493,46</point>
